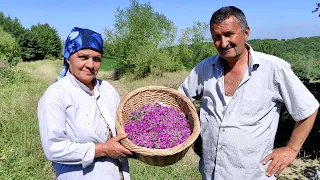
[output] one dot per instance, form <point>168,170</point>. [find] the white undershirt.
<point>227,99</point>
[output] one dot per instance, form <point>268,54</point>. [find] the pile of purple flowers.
<point>157,127</point>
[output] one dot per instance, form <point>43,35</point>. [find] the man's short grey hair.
<point>225,12</point>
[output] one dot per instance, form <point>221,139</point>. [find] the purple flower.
<point>158,127</point>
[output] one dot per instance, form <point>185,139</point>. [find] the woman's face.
<point>84,65</point>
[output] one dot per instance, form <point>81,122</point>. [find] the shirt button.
<point>223,130</point>
<point>224,111</point>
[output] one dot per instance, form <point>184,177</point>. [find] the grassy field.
<point>21,155</point>
<point>108,64</point>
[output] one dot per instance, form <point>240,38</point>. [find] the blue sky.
<point>267,19</point>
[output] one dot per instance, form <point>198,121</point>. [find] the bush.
<point>10,76</point>
<point>50,57</point>
<point>195,45</point>
<point>148,60</point>
<point>135,41</point>
<point>9,49</point>
<point>305,66</point>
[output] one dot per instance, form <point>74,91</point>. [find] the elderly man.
<point>241,92</point>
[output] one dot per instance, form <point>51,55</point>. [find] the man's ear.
<point>247,33</point>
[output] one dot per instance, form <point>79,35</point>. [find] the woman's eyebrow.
<point>83,54</point>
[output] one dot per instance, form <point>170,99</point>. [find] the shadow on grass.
<point>310,172</point>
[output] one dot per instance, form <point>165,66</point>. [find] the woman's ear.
<point>68,60</point>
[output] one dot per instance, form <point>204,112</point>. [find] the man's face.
<point>228,38</point>
<point>84,65</point>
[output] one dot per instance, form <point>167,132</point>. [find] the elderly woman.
<point>77,116</point>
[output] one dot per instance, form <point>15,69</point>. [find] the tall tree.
<point>11,26</point>
<point>196,39</point>
<point>48,39</point>
<point>39,42</point>
<point>29,46</point>
<point>139,33</point>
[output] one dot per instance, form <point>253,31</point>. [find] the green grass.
<point>21,155</point>
<point>185,169</point>
<point>108,64</point>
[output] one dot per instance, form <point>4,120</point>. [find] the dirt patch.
<point>301,169</point>
<point>4,64</point>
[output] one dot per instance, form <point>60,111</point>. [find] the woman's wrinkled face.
<point>84,65</point>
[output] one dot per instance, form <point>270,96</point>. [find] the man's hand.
<point>281,158</point>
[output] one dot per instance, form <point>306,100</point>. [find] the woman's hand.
<point>112,148</point>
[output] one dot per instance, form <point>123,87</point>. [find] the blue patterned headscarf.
<point>78,39</point>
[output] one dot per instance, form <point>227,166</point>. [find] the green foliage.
<point>48,39</point>
<point>15,29</point>
<point>183,54</point>
<point>9,76</point>
<point>108,64</point>
<point>194,46</point>
<point>302,53</point>
<point>11,26</point>
<point>9,49</point>
<point>305,66</point>
<point>139,33</point>
<point>268,46</point>
<point>40,41</point>
<point>148,60</point>
<point>51,57</point>
<point>36,43</point>
<point>30,48</point>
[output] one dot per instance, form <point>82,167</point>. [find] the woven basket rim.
<point>158,152</point>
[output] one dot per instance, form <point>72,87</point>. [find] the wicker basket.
<point>167,96</point>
